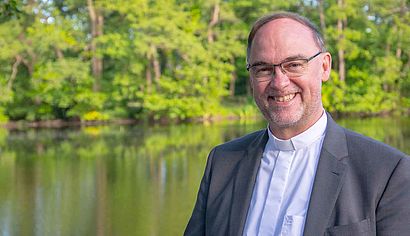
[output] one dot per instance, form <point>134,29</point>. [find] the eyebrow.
<point>290,58</point>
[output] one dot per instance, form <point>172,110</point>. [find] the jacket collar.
<point>328,180</point>
<point>244,183</point>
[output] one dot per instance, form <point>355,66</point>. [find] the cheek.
<point>311,84</point>
<point>315,88</point>
<point>258,88</point>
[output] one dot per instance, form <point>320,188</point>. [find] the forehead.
<point>282,38</point>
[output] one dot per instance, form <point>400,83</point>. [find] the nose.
<point>280,80</point>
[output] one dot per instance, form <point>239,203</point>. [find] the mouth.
<point>285,98</point>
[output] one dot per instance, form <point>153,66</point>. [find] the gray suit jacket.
<point>361,187</point>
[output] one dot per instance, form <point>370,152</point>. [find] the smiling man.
<point>287,93</point>
<point>304,174</point>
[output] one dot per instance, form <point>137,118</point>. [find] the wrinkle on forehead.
<point>280,39</point>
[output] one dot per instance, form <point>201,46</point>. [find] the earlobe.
<point>326,66</point>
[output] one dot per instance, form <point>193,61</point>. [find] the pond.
<point>122,180</point>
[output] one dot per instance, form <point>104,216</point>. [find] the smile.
<point>285,98</point>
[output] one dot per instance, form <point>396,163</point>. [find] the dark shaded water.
<point>121,180</point>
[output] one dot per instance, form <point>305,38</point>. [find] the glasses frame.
<point>249,66</point>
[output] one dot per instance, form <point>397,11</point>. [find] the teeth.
<point>285,98</point>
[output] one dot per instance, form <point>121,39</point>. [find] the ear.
<point>326,66</point>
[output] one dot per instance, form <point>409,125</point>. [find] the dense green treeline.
<point>178,59</point>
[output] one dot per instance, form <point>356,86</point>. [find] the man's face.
<point>290,104</point>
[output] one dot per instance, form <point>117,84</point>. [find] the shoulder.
<point>363,155</point>
<point>365,146</point>
<point>343,142</point>
<point>376,160</point>
<point>225,158</point>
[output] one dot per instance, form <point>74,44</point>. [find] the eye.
<point>298,65</point>
<point>262,70</point>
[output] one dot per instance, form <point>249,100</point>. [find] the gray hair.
<point>318,37</point>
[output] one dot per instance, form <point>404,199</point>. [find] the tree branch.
<point>14,71</point>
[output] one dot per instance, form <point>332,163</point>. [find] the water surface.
<point>121,180</point>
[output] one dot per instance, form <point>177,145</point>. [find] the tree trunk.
<point>148,77</point>
<point>322,18</point>
<point>14,72</point>
<point>398,50</point>
<point>403,10</point>
<point>340,42</point>
<point>214,20</point>
<point>155,63</point>
<point>97,23</point>
<point>233,80</point>
<point>59,53</point>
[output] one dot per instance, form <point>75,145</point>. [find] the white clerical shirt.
<point>284,183</point>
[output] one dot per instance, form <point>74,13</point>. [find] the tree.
<point>181,59</point>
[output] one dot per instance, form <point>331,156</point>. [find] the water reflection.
<point>120,180</point>
<point>393,131</point>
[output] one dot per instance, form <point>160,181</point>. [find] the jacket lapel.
<point>244,183</point>
<point>328,179</point>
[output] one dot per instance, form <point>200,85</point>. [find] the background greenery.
<point>180,59</point>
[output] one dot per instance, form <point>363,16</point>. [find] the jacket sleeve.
<point>393,210</point>
<point>197,223</point>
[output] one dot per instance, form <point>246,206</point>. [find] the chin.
<point>284,123</point>
<point>285,119</point>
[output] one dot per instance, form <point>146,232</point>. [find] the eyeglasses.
<point>293,68</point>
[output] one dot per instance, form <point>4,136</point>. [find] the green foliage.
<point>9,9</point>
<point>178,59</point>
<point>333,94</point>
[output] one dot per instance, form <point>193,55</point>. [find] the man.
<point>304,175</point>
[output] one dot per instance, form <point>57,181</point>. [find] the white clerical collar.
<point>301,140</point>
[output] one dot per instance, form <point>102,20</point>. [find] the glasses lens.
<point>262,71</point>
<point>296,67</point>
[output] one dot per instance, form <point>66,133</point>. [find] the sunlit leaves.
<point>173,59</point>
